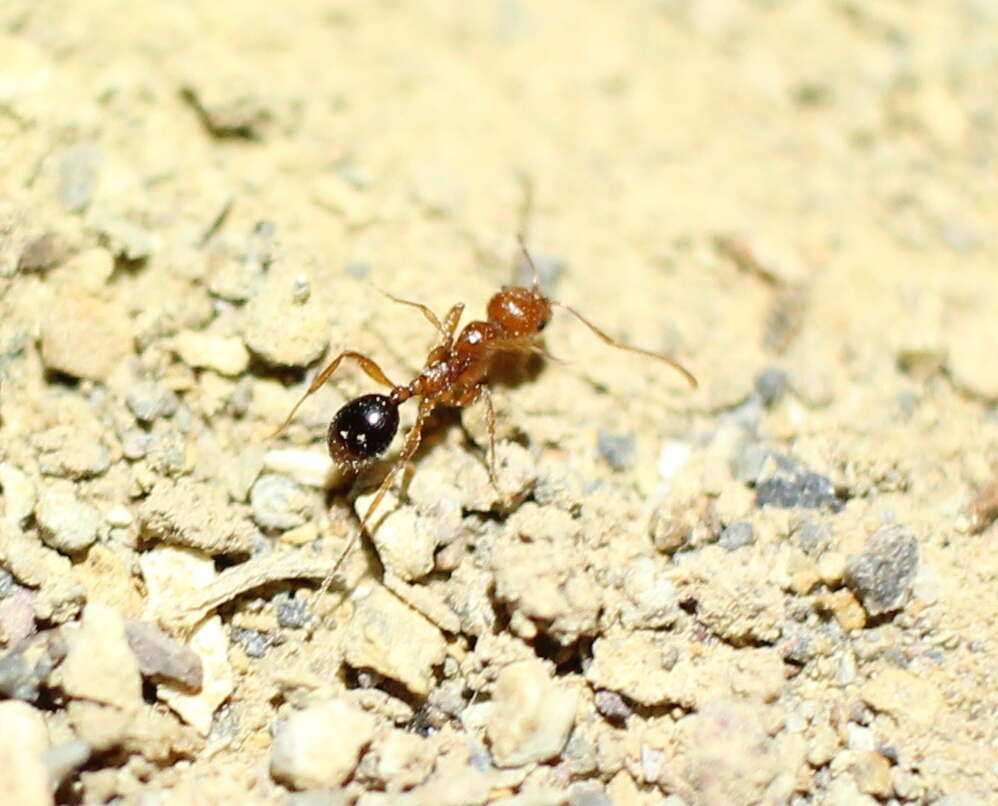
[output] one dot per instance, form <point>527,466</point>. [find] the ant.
<point>455,374</point>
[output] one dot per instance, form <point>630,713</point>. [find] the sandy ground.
<point>778,588</point>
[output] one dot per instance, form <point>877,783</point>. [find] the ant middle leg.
<point>367,364</point>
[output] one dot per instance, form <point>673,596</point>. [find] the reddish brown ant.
<point>455,374</point>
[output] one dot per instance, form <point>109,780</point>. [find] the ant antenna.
<point>608,339</point>
<point>530,262</point>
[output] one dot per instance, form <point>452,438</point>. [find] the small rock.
<point>812,536</point>
<point>405,541</point>
<point>227,356</point>
<point>19,494</point>
<point>916,703</point>
<point>91,268</point>
<point>41,253</point>
<point>882,576</point>
<point>100,665</point>
<point>78,168</point>
<point>652,599</point>
<point>279,503</point>
<point>846,608</point>
<point>195,514</point>
<point>254,642</point>
<point>84,336</point>
<point>873,774</point>
<point>135,444</point>
<point>26,667</point>
<point>320,746</point>
<point>120,517</point>
<point>736,535</point>
<point>531,714</point>
<point>71,452</point>
<point>387,636</point>
<point>672,457</point>
<point>24,778</point>
<point>612,706</point>
<point>292,614</point>
<point>771,385</point>
<point>281,330</point>
<point>306,467</point>
<point>831,567</point>
<point>798,488</point>
<point>616,449</point>
<point>149,401</point>
<point>749,460</point>
<point>159,655</point>
<point>210,643</point>
<point>64,759</point>
<point>67,524</point>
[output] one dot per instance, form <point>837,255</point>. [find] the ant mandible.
<point>455,374</point>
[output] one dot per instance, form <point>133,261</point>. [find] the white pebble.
<point>672,457</point>
<point>306,467</point>
<point>19,494</point>
<point>227,356</point>
<point>67,524</point>
<point>120,517</point>
<point>320,746</point>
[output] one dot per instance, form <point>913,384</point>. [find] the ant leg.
<point>412,440</point>
<point>608,339</point>
<point>490,424</point>
<point>368,365</point>
<point>445,328</point>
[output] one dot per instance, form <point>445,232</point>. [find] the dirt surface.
<point>778,588</point>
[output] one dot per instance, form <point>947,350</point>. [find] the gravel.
<point>882,576</point>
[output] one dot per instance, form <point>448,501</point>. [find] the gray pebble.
<point>41,253</point>
<point>616,449</point>
<point>254,642</point>
<point>159,655</point>
<point>78,176</point>
<point>6,583</point>
<point>588,794</point>
<point>168,453</point>
<point>797,489</point>
<point>279,503</point>
<point>64,759</point>
<point>292,614</point>
<point>135,443</point>
<point>812,537</point>
<point>26,667</point>
<point>771,385</point>
<point>736,535</point>
<point>242,397</point>
<point>612,706</point>
<point>67,524</point>
<point>882,576</point>
<point>149,401</point>
<point>748,461</point>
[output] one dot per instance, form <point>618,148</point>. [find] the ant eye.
<point>362,429</point>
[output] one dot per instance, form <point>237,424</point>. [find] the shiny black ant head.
<point>363,429</point>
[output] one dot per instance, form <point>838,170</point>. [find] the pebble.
<point>831,567</point>
<point>135,444</point>
<point>66,523</point>
<point>406,542</point>
<point>42,253</point>
<point>26,667</point>
<point>19,495</point>
<point>846,609</point>
<point>85,337</point>
<point>749,460</point>
<point>197,515</point>
<point>736,535</point>
<point>320,745</point>
<point>281,330</point>
<point>882,576</point>
<point>797,489</point>
<point>531,714</point>
<point>652,601</point>
<point>210,643</point>
<point>873,774</point>
<point>771,386</point>
<point>914,702</point>
<point>612,706</point>
<point>71,452</point>
<point>91,268</point>
<point>672,457</point>
<point>812,536</point>
<point>100,665</point>
<point>310,468</point>
<point>120,516</point>
<point>292,613</point>
<point>78,170</point>
<point>160,655</point>
<point>617,450</point>
<point>24,778</point>
<point>226,355</point>
<point>279,503</point>
<point>387,636</point>
<point>149,401</point>
<point>254,642</point>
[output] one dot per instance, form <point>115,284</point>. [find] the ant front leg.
<point>367,364</point>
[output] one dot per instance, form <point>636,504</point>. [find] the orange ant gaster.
<point>455,374</point>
